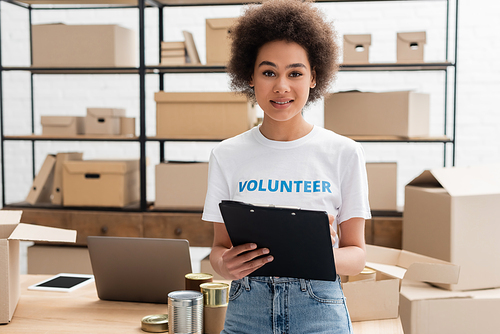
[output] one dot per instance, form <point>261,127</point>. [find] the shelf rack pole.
<point>142,107</point>
<point>30,11</point>
<point>2,146</point>
<point>161,75</point>
<point>446,74</point>
<point>455,86</point>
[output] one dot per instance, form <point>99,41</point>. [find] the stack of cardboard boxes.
<point>173,53</point>
<point>451,214</point>
<point>98,121</point>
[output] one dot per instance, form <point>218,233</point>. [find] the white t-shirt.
<point>320,171</point>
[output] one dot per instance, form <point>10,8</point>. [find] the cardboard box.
<point>181,185</point>
<point>382,184</point>
<point>206,267</point>
<point>357,49</point>
<point>218,42</point>
<point>61,45</point>
<point>375,300</point>
<point>56,196</point>
<point>11,232</point>
<point>410,47</point>
<point>452,214</point>
<point>403,114</point>
<point>202,115</point>
<point>52,260</point>
<point>64,126</point>
<point>107,183</point>
<point>103,121</point>
<point>41,188</point>
<point>431,310</point>
<point>127,126</point>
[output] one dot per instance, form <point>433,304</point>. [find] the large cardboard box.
<point>107,183</point>
<point>431,310</point>
<point>57,187</point>
<point>41,188</point>
<point>11,232</point>
<point>410,47</point>
<point>382,184</point>
<point>206,267</point>
<point>104,121</point>
<point>64,126</point>
<point>51,260</point>
<point>357,49</point>
<point>217,39</point>
<point>181,185</point>
<point>379,299</point>
<point>61,45</point>
<point>402,114</point>
<point>202,115</point>
<point>452,214</point>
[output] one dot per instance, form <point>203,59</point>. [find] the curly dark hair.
<point>287,20</point>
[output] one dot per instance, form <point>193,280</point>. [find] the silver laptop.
<point>138,269</point>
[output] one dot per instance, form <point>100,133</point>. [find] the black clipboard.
<point>299,240</point>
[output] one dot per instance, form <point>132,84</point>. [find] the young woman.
<point>284,57</point>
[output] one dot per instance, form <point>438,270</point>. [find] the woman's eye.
<point>268,73</point>
<point>295,74</point>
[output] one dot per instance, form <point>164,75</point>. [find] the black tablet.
<point>299,240</point>
<point>63,282</point>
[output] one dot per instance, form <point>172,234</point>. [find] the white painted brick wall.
<point>478,122</point>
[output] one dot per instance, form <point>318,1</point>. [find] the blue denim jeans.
<point>269,305</point>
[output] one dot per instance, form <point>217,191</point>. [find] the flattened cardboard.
<point>104,183</point>
<point>41,189</point>
<point>64,126</point>
<point>172,45</point>
<point>217,115</point>
<point>382,185</point>
<point>217,40</point>
<point>173,60</point>
<point>365,114</point>
<point>103,121</point>
<point>191,48</point>
<point>410,47</point>
<point>181,185</point>
<point>57,186</point>
<point>375,300</point>
<point>61,45</point>
<point>460,209</point>
<point>11,231</point>
<point>357,49</point>
<point>431,310</point>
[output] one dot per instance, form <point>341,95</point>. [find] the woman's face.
<point>281,79</point>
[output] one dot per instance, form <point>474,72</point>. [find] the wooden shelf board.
<point>437,139</point>
<point>78,137</point>
<point>174,2</point>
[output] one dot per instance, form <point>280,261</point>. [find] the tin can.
<point>193,280</point>
<point>215,300</point>
<point>185,312</point>
<point>155,323</point>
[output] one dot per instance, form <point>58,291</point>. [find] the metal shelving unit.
<point>447,67</point>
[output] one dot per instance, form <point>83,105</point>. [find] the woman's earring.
<point>314,85</point>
